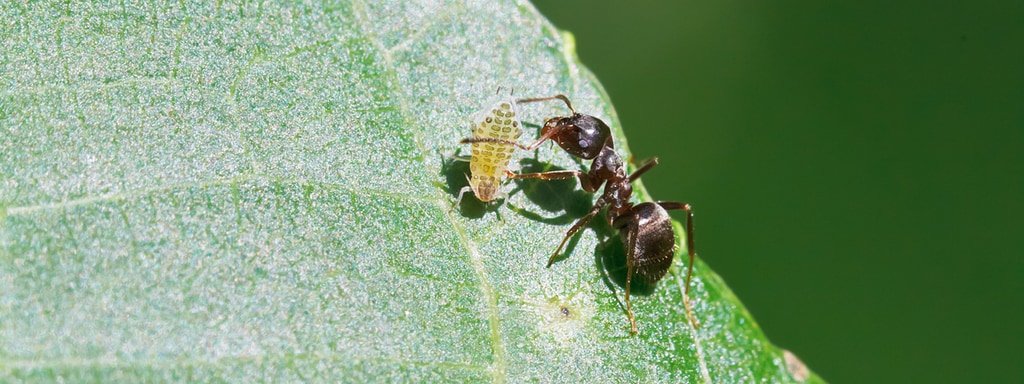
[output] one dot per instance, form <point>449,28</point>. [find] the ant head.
<point>581,135</point>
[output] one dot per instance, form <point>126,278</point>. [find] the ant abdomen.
<point>648,236</point>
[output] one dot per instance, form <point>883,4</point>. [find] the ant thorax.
<point>497,120</point>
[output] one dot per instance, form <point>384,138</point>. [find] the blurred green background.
<point>856,168</point>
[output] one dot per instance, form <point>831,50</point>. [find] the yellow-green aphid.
<point>497,121</point>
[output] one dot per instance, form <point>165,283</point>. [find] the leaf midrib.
<point>498,368</point>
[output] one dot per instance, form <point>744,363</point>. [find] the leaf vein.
<point>402,45</point>
<point>498,367</point>
<point>163,363</point>
<point>693,332</point>
<point>232,181</point>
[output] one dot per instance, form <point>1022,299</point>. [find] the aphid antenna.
<point>511,92</point>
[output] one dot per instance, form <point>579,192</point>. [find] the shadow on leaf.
<point>551,195</point>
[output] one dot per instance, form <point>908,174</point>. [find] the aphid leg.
<point>500,195</point>
<point>559,97</point>
<point>601,202</point>
<point>690,250</point>
<point>462,192</point>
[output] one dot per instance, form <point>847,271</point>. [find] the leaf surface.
<point>199,191</point>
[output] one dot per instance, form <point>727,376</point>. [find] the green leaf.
<point>200,191</point>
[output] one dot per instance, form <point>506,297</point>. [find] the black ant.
<point>646,228</point>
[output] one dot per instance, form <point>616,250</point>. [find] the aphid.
<point>645,228</point>
<point>494,127</point>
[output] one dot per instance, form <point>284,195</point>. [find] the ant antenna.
<point>559,97</point>
<point>498,91</point>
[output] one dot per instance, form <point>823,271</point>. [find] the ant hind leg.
<point>690,250</point>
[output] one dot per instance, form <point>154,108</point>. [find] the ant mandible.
<point>645,228</point>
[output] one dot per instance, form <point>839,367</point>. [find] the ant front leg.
<point>587,182</point>
<point>690,250</point>
<point>553,175</point>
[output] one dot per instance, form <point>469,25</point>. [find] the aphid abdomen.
<point>490,160</point>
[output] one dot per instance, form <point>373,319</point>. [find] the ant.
<point>494,126</point>
<point>645,228</point>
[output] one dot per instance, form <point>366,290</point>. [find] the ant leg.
<point>690,250</point>
<point>629,225</point>
<point>545,137</point>
<point>689,233</point>
<point>553,175</point>
<point>601,202</point>
<point>559,97</point>
<point>629,304</point>
<point>646,167</point>
<point>587,182</point>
